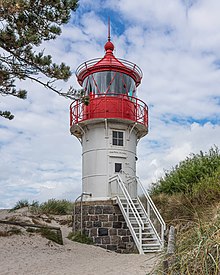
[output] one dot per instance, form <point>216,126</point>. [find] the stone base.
<point>105,224</point>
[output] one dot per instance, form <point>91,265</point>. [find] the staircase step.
<point>153,245</point>
<point>151,250</point>
<point>149,239</point>
<point>145,233</point>
<point>145,221</point>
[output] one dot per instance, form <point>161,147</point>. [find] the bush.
<point>188,198</point>
<point>187,174</point>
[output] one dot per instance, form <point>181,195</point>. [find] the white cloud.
<point>179,54</point>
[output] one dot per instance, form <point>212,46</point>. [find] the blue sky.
<point>174,42</point>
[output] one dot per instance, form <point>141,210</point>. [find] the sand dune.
<point>32,254</point>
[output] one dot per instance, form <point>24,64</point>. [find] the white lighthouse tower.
<point>109,121</point>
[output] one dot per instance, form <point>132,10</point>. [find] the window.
<point>118,167</point>
<point>117,138</point>
<point>109,82</point>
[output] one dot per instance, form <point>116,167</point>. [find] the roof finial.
<point>109,47</point>
<point>109,34</point>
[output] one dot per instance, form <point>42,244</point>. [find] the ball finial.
<point>109,46</point>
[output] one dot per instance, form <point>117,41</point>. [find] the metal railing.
<point>81,212</point>
<point>157,222</point>
<point>90,63</point>
<point>109,106</point>
<point>130,208</point>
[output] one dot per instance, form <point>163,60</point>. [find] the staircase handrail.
<point>129,199</point>
<point>133,209</point>
<point>150,222</point>
<point>136,240</point>
<point>153,207</point>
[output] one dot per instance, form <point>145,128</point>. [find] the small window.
<point>118,167</point>
<point>117,138</point>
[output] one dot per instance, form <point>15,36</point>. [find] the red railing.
<point>89,64</point>
<point>109,106</point>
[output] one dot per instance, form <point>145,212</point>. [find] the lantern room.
<point>110,86</point>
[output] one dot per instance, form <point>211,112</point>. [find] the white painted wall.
<point>99,156</point>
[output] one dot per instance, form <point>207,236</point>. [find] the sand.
<point>32,254</point>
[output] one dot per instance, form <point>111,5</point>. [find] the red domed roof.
<point>108,63</point>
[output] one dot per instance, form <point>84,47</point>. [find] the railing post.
<point>140,235</point>
<point>151,207</point>
<point>148,209</point>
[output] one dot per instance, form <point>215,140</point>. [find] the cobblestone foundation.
<point>105,224</point>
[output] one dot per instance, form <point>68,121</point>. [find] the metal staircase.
<point>146,225</point>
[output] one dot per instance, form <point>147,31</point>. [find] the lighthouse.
<point>109,120</point>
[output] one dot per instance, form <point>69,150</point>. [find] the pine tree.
<point>24,25</point>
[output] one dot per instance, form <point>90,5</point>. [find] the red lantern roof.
<point>109,63</point>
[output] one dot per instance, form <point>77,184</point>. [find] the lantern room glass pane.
<point>109,82</point>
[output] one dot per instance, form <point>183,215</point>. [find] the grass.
<point>80,238</point>
<point>56,207</point>
<point>47,233</point>
<point>20,204</point>
<point>198,248</point>
<point>52,206</point>
<point>197,235</point>
<point>188,198</point>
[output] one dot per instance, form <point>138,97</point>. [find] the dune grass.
<point>52,206</point>
<point>190,202</point>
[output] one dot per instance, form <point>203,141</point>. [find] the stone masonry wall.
<point>105,224</point>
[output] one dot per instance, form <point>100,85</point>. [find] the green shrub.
<point>80,238</point>
<point>188,173</point>
<point>187,198</point>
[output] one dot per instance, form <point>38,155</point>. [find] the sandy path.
<point>32,254</point>
<point>35,255</point>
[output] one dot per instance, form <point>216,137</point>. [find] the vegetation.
<point>56,207</point>
<point>188,198</point>
<point>25,24</point>
<point>48,233</point>
<point>80,238</point>
<point>21,204</point>
<point>184,177</point>
<point>52,206</point>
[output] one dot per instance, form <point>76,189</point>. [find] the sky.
<point>176,43</point>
